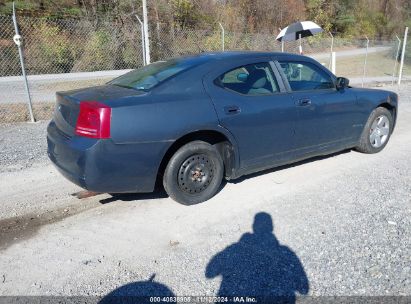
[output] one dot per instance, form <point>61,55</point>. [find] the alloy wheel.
<point>379,132</point>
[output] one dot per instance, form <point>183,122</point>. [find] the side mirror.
<point>342,83</point>
<point>242,77</point>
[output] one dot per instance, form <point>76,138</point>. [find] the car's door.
<point>327,118</point>
<point>252,103</point>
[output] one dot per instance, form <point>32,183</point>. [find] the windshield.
<point>149,76</point>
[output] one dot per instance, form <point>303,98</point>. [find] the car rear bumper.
<point>104,166</point>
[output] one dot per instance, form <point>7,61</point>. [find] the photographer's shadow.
<point>258,265</point>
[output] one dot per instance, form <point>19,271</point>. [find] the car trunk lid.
<point>68,103</point>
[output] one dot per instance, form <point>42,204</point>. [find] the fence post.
<point>142,40</point>
<point>18,41</point>
<point>365,61</point>
<point>396,60</point>
<point>331,49</point>
<point>402,55</point>
<point>333,62</point>
<point>222,36</point>
<point>146,38</point>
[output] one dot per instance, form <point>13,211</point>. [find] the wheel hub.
<point>195,174</point>
<point>379,131</point>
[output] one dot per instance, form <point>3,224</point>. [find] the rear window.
<point>145,78</point>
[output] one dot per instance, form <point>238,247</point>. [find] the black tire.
<point>194,173</point>
<point>369,145</point>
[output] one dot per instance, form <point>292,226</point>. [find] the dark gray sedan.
<point>190,122</point>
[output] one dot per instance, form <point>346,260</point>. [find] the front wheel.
<point>194,173</point>
<point>377,131</point>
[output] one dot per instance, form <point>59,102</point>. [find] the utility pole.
<point>146,40</point>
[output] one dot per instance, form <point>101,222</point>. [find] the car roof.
<point>216,56</point>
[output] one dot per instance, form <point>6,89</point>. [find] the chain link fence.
<point>357,59</point>
<point>61,55</point>
<point>69,54</point>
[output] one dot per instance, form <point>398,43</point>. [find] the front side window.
<point>251,79</point>
<point>306,76</point>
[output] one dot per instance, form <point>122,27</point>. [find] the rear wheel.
<point>194,173</point>
<point>377,131</point>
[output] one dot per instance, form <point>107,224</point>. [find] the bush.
<point>49,50</point>
<point>213,42</point>
<point>98,54</point>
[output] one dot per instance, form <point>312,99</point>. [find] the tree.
<point>320,11</point>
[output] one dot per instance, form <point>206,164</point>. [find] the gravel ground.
<point>341,227</point>
<point>22,146</point>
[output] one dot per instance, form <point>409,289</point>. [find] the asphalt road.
<point>341,226</point>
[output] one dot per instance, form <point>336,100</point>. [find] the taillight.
<point>93,120</point>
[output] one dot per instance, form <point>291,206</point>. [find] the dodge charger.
<point>188,123</point>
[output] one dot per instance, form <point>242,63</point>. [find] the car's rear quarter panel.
<point>163,118</point>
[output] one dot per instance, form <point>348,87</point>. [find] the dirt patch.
<point>16,229</point>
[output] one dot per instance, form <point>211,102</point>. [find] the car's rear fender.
<point>219,136</point>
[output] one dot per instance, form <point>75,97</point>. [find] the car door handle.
<point>304,102</point>
<point>232,110</point>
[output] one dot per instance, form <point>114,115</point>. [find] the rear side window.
<point>306,76</point>
<point>153,74</point>
<point>251,79</point>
